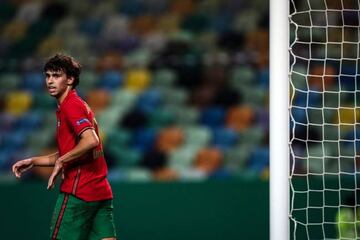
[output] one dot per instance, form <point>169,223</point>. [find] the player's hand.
<point>58,168</point>
<point>21,166</point>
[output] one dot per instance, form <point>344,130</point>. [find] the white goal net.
<point>324,119</point>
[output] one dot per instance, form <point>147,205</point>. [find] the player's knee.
<point>108,239</point>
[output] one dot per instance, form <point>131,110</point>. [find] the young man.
<point>84,207</point>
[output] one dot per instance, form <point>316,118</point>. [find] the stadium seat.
<point>15,140</point>
<point>6,160</point>
<point>236,159</point>
<point>65,26</point>
<point>199,136</point>
<point>110,117</point>
<point>213,117</point>
<point>241,77</point>
<point>119,138</point>
<point>133,174</point>
<point>43,138</point>
<point>124,156</point>
<point>169,23</point>
<point>9,81</point>
<point>225,138</point>
<point>15,30</point>
<point>109,61</point>
<point>186,115</point>
<point>98,100</point>
<point>175,96</point>
<point>50,45</point>
<point>317,82</point>
<point>182,158</point>
<point>91,26</point>
<point>299,115</point>
<point>164,78</point>
<point>18,102</point>
<point>254,96</point>
<point>138,174</point>
<point>169,139</point>
<point>144,139</point>
<point>246,20</point>
<point>88,80</point>
<point>137,79</point>
<point>31,120</point>
<point>124,97</point>
<point>182,7</point>
<point>110,80</point>
<point>139,58</point>
<point>165,174</point>
<point>208,160</point>
<point>149,100</point>
<point>33,81</point>
<point>254,135</point>
<point>161,117</point>
<point>259,159</point>
<point>240,117</point>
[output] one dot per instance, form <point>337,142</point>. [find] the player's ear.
<point>70,80</point>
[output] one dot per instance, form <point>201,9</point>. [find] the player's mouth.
<point>51,89</point>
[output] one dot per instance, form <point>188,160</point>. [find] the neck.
<point>61,98</point>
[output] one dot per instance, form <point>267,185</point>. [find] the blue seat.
<point>264,78</point>
<point>221,174</point>
<point>14,140</point>
<point>91,26</point>
<point>213,117</point>
<point>111,80</point>
<point>6,159</point>
<point>149,100</point>
<point>299,115</point>
<point>300,99</point>
<point>143,139</point>
<point>315,99</point>
<point>7,121</point>
<point>34,81</point>
<point>132,8</point>
<point>29,121</point>
<point>259,159</point>
<point>224,138</point>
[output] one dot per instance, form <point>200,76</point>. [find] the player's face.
<point>57,82</point>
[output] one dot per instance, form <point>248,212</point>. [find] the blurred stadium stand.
<point>179,88</point>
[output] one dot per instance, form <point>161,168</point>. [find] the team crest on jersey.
<point>83,120</point>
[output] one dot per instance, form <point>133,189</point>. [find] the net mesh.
<point>324,119</point>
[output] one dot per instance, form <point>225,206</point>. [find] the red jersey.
<point>86,177</point>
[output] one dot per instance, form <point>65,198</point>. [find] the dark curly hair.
<point>62,62</point>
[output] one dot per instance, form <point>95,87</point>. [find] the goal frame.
<point>279,120</point>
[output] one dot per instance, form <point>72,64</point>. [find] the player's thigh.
<point>72,219</point>
<point>103,226</point>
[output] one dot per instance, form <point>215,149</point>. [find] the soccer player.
<point>84,208</point>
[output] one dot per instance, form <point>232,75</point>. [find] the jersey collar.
<point>72,93</point>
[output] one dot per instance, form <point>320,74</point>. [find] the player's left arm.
<point>88,141</point>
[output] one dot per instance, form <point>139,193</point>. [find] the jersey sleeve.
<point>78,117</point>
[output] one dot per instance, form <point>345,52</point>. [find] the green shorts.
<point>75,219</point>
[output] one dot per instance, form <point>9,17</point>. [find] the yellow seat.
<point>137,79</point>
<point>18,102</point>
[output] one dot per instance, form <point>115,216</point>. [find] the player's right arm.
<point>23,165</point>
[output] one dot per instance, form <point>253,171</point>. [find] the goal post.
<point>279,120</point>
<point>314,119</point>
